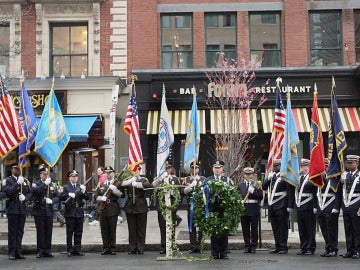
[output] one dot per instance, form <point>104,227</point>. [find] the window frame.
<point>356,48</point>
<point>6,24</point>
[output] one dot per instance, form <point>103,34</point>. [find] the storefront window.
<point>357,35</point>
<point>325,38</point>
<point>69,54</point>
<point>265,38</point>
<point>176,41</point>
<point>4,48</point>
<point>220,37</point>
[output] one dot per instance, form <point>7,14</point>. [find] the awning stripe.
<point>350,118</point>
<point>324,119</point>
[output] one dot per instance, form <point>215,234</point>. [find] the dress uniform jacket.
<point>252,204</point>
<point>111,206</point>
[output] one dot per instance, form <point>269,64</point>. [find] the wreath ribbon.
<point>205,191</point>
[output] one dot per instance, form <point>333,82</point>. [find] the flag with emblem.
<point>131,127</point>
<point>52,136</point>
<point>11,131</point>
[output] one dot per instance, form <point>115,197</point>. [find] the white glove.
<point>112,187</point>
<point>103,198</point>
<point>289,210</point>
<point>82,188</point>
<point>251,189</point>
<point>47,181</point>
<point>48,201</point>
<point>343,177</point>
<point>21,197</point>
<point>72,195</point>
<point>137,184</point>
<point>314,211</point>
<point>20,180</point>
<point>193,183</point>
<point>271,175</point>
<point>334,211</point>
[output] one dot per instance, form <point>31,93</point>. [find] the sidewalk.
<point>91,241</point>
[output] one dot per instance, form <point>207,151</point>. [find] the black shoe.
<point>247,250</point>
<point>225,257</point>
<point>325,254</point>
<point>39,255</point>
<point>283,251</point>
<point>301,252</point>
<point>48,255</point>
<point>163,251</point>
<point>252,251</point>
<point>112,253</point>
<point>331,254</point>
<point>105,252</point>
<point>12,257</point>
<point>274,251</point>
<point>69,254</point>
<point>347,255</point>
<point>309,252</point>
<point>78,253</point>
<point>20,257</point>
<point>194,250</point>
<point>356,255</point>
<point>214,257</point>
<point>140,252</point>
<point>132,252</point>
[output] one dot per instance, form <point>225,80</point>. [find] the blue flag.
<point>336,143</point>
<point>29,124</point>
<point>289,170</point>
<point>52,137</point>
<point>192,143</point>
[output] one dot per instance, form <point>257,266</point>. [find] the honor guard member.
<point>107,194</point>
<point>73,197</point>
<point>281,202</point>
<point>192,181</point>
<point>351,207</point>
<point>45,196</point>
<point>252,195</point>
<point>18,192</point>
<point>168,177</point>
<point>328,208</point>
<point>305,200</point>
<point>219,244</point>
<point>136,209</point>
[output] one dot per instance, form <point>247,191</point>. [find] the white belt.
<point>309,198</point>
<point>328,202</point>
<point>251,201</point>
<point>354,198</point>
<point>281,194</point>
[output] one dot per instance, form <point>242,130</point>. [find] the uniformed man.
<point>107,194</point>
<point>136,209</point>
<point>305,200</point>
<point>281,202</point>
<point>45,196</point>
<point>328,208</point>
<point>17,190</point>
<point>252,195</point>
<point>219,244</point>
<point>73,196</point>
<point>192,181</point>
<point>169,178</point>
<point>351,207</point>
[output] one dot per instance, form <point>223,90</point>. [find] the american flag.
<point>11,131</point>
<point>131,127</point>
<point>277,136</point>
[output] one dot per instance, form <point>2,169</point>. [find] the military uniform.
<point>250,219</point>
<point>18,193</point>
<point>45,196</point>
<point>74,214</point>
<point>136,209</point>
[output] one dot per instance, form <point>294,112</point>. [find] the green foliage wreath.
<point>230,201</point>
<point>159,194</point>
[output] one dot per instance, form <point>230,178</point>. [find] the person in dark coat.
<point>18,192</point>
<point>73,196</point>
<point>281,200</point>
<point>45,197</point>
<point>351,207</point>
<point>252,195</point>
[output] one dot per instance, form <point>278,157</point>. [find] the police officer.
<point>305,199</point>
<point>45,196</point>
<point>136,209</point>
<point>73,196</point>
<point>281,203</point>
<point>17,190</point>
<point>252,194</point>
<point>328,208</point>
<point>192,181</point>
<point>107,194</point>
<point>219,244</point>
<point>351,207</point>
<point>169,178</point>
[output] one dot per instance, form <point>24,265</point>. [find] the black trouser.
<point>44,227</point>
<point>195,236</point>
<point>352,231</point>
<point>219,245</point>
<point>108,232</point>
<point>74,227</point>
<point>279,224</point>
<point>307,228</point>
<point>250,228</point>
<point>16,225</point>
<point>162,225</point>
<point>137,231</point>
<point>329,225</point>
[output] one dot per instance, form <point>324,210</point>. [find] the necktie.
<point>74,186</point>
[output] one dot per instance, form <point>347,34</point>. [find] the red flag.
<point>317,155</point>
<point>11,131</point>
<point>131,127</point>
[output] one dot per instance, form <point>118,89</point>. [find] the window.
<point>357,35</point>
<point>176,41</point>
<point>69,54</point>
<point>325,38</point>
<point>220,38</point>
<point>4,48</point>
<point>265,39</point>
